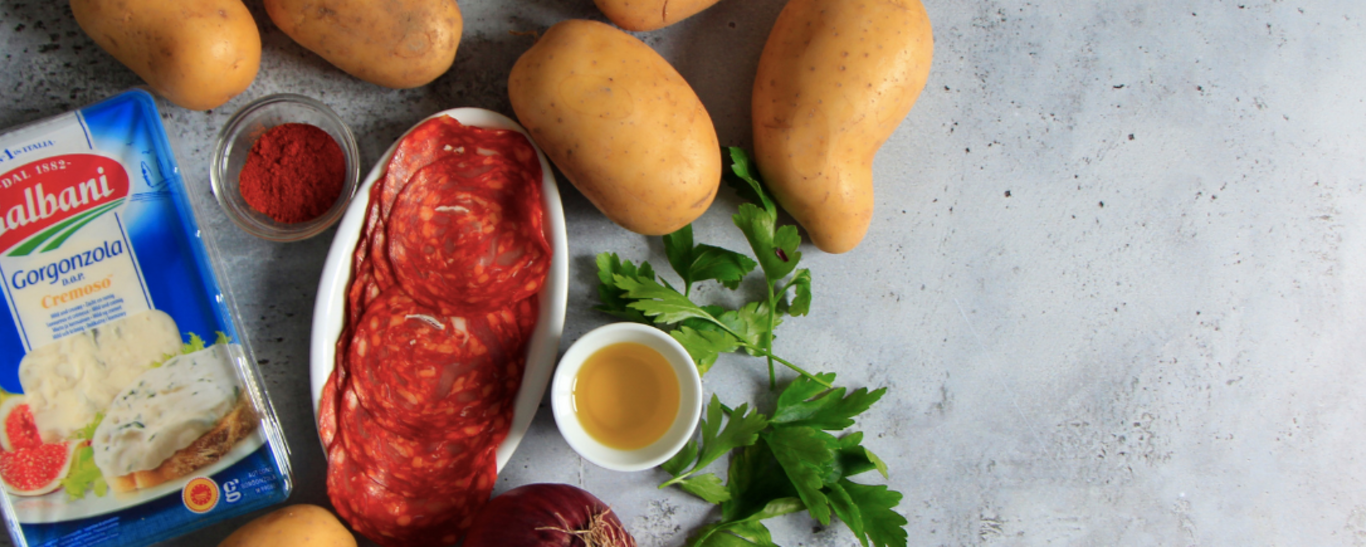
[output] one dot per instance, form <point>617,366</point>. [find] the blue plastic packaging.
<point>118,345</point>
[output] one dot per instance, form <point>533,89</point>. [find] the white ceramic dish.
<point>689,401</point>
<point>330,307</point>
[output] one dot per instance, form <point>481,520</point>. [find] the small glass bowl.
<point>234,143</point>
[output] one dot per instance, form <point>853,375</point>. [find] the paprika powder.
<point>294,173</point>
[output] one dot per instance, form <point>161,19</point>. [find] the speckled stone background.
<point>1115,282</point>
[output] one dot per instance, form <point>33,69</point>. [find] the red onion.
<point>547,515</point>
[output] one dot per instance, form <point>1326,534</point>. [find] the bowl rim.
<point>218,177</point>
<point>689,383</point>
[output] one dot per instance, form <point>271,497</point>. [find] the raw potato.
<point>835,80</point>
<point>293,526</point>
<point>644,15</point>
<point>393,43</point>
<point>195,53</point>
<point>621,124</point>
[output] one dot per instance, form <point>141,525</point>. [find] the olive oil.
<point>626,395</point>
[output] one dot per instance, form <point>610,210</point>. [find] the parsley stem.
<point>799,370</point>
<point>783,291</point>
<point>765,350</point>
<point>769,354</point>
<point>677,479</point>
<point>768,339</point>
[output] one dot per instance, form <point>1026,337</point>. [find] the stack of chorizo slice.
<point>439,310</point>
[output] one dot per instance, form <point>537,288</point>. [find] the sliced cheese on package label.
<point>165,410</point>
<point>131,412</point>
<point>69,382</point>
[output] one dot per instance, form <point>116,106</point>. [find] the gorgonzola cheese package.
<point>130,411</point>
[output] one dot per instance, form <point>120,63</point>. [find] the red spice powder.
<point>294,173</point>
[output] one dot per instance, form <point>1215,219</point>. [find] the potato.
<point>621,124</point>
<point>293,526</point>
<point>195,53</point>
<point>835,79</point>
<point>643,15</point>
<point>393,43</point>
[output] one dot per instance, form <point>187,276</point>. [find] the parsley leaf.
<point>751,324</point>
<point>803,404</point>
<point>744,182</point>
<point>847,511</point>
<point>679,463</point>
<point>753,531</point>
<point>614,300</point>
<point>708,536</point>
<point>800,390</point>
<point>757,484</point>
<point>663,304</point>
<point>704,262</point>
<point>706,486</point>
<point>801,299</point>
<point>705,345</point>
<point>884,526</point>
<point>745,533</point>
<point>678,246</point>
<point>854,459</point>
<point>776,248</point>
<point>806,457</point>
<point>742,429</point>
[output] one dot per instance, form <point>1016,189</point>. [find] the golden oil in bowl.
<point>626,395</point>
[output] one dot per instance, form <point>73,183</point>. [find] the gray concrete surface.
<point>1115,281</point>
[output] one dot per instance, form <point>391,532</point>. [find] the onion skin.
<point>547,515</point>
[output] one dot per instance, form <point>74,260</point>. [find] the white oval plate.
<point>330,308</point>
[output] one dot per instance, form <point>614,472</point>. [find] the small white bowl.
<point>689,400</point>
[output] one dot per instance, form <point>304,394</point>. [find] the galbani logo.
<point>56,196</point>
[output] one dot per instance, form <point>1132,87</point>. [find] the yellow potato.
<point>621,124</point>
<point>835,79</point>
<point>393,43</point>
<point>292,526</point>
<point>643,15</point>
<point>195,53</point>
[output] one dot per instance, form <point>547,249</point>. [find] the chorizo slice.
<point>393,520</point>
<point>327,410</point>
<point>411,465</point>
<point>444,136</point>
<point>423,145</point>
<point>417,369</point>
<point>462,238</point>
